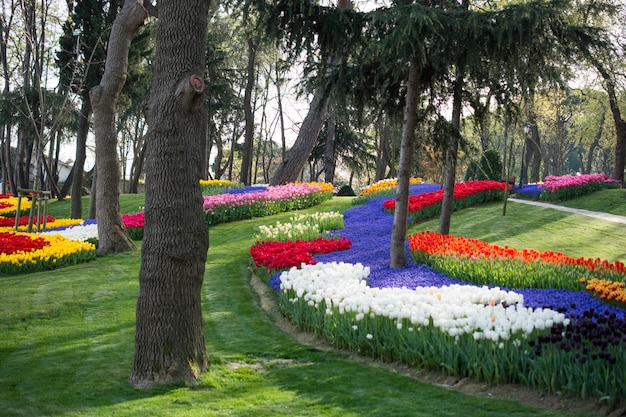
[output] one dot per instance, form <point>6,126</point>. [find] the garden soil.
<point>517,393</point>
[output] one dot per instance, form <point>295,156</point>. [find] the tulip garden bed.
<point>488,313</point>
<point>28,252</point>
<point>566,187</point>
<point>75,240</point>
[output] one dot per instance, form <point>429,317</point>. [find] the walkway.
<point>597,214</point>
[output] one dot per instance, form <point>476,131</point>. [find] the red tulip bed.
<point>29,252</point>
<point>471,193</point>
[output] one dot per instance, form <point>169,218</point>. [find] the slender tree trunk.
<point>76,206</point>
<point>169,338</point>
<point>329,151</point>
<point>596,142</point>
<point>534,156</point>
<point>447,204</point>
<point>400,216</point>
<point>5,130</point>
<point>279,100</point>
<point>208,146</point>
<point>248,144</point>
<point>620,123</point>
<point>93,197</point>
<point>113,236</point>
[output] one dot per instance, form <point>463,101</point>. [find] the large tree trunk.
<point>400,216</point>
<point>169,338</point>
<point>76,210</point>
<point>248,144</point>
<point>113,236</point>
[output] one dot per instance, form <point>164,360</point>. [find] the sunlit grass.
<point>66,340</point>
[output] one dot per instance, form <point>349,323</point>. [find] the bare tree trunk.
<point>76,206</point>
<point>169,338</point>
<point>93,200</point>
<point>297,156</point>
<point>5,130</point>
<point>113,236</point>
<point>208,146</point>
<point>279,99</point>
<point>248,144</point>
<point>400,216</point>
<point>447,204</point>
<point>382,157</point>
<point>533,149</point>
<point>596,142</point>
<point>620,123</point>
<point>329,151</point>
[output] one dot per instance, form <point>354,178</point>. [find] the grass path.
<point>66,346</point>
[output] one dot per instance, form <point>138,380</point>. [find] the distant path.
<point>597,214</point>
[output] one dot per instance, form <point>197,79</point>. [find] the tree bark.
<point>76,205</point>
<point>299,153</point>
<point>248,144</point>
<point>290,168</point>
<point>620,123</point>
<point>596,142</point>
<point>400,216</point>
<point>329,150</point>
<point>113,236</point>
<point>447,204</point>
<point>169,338</point>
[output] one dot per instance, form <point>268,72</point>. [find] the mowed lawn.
<point>66,336</point>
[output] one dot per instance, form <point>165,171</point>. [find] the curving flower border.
<point>57,251</point>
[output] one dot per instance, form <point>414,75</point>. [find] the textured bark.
<point>248,144</point>
<point>400,216</point>
<point>112,234</point>
<point>297,156</point>
<point>620,123</point>
<point>596,143</point>
<point>76,210</point>
<point>169,339</point>
<point>447,204</point>
<point>329,150</point>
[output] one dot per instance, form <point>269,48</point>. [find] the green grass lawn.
<point>66,336</point>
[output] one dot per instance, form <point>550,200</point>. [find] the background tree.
<point>297,156</point>
<point>81,60</point>
<point>112,234</point>
<point>169,338</point>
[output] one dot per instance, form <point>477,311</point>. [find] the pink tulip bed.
<point>566,187</point>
